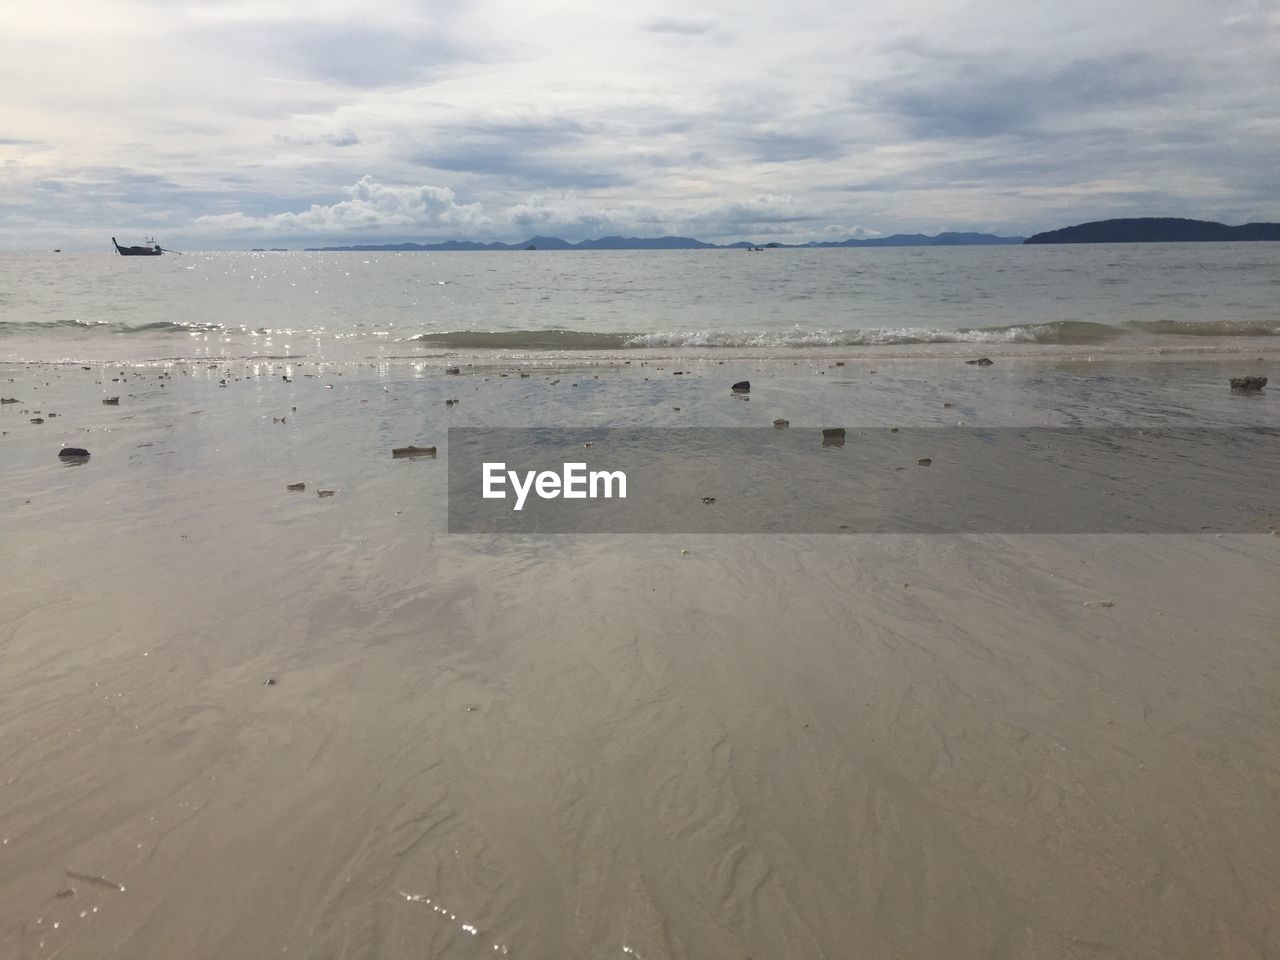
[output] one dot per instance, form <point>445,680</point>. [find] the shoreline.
<point>1227,349</point>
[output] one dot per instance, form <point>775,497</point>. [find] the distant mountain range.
<point>1156,230</point>
<point>683,243</point>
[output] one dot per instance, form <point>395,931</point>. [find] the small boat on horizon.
<point>149,249</point>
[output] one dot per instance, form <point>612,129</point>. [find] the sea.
<point>351,306</point>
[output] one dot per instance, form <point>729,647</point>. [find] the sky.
<point>224,124</point>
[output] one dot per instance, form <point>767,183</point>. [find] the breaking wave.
<point>1066,331</point>
<point>106,326</point>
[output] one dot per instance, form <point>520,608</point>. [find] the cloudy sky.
<point>230,123</point>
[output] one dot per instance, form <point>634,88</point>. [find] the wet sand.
<point>589,747</point>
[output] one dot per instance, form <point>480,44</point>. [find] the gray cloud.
<point>351,53</point>
<point>328,139</point>
<point>950,96</point>
<point>528,153</point>
<point>680,26</point>
<point>227,121</point>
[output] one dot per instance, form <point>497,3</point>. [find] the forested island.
<point>1156,230</point>
<point>685,243</point>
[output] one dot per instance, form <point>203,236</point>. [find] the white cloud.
<point>369,206</point>
<point>259,115</point>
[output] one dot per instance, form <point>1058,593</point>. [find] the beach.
<point>662,481</point>
<point>240,720</point>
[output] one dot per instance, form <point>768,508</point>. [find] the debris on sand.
<point>452,370</point>
<point>981,362</point>
<point>924,461</point>
<point>8,399</point>
<point>295,486</point>
<point>1099,603</point>
<point>833,433</point>
<point>781,424</point>
<point>325,493</point>
<point>96,880</point>
<point>412,451</point>
<point>1248,384</point>
<point>708,499</point>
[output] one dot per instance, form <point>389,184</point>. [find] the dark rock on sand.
<point>742,386</point>
<point>324,493</point>
<point>413,451</point>
<point>981,361</point>
<point>73,453</point>
<point>1248,384</point>
<point>833,433</point>
<point>37,419</point>
<point>781,424</point>
<point>8,399</point>
<point>296,486</point>
<point>453,370</point>
<point>111,401</point>
<point>924,461</point>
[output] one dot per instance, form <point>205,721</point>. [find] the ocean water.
<point>349,306</point>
